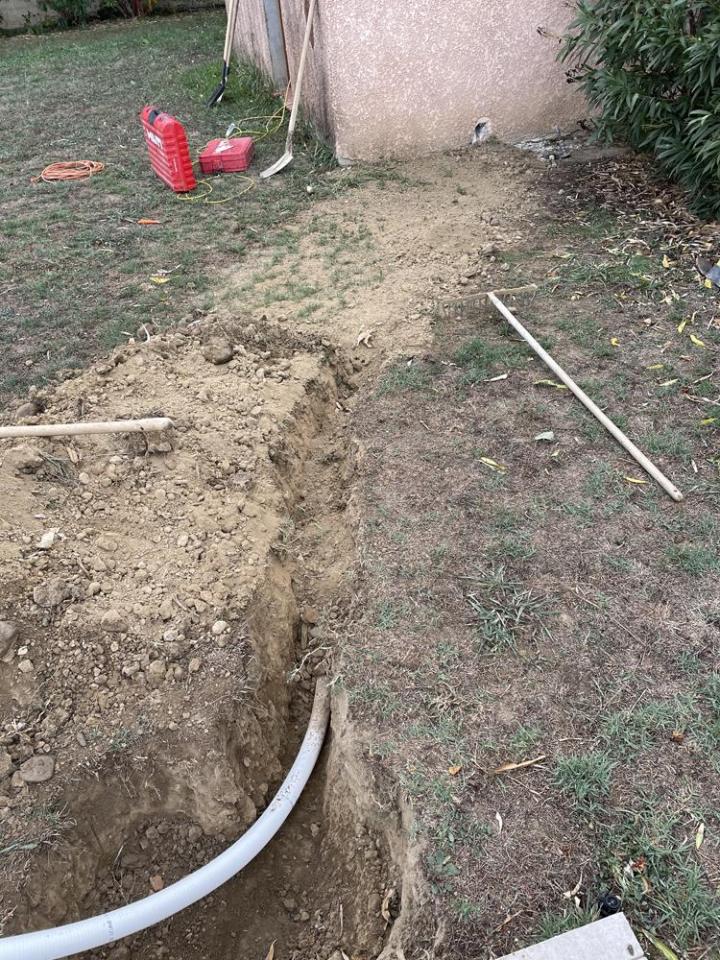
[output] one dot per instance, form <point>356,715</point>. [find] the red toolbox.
<point>169,151</point>
<point>227,156</point>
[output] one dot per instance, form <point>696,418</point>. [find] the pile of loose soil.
<point>150,619</point>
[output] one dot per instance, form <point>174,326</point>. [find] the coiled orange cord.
<point>70,170</point>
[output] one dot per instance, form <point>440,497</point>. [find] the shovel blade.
<point>279,165</point>
<point>217,95</point>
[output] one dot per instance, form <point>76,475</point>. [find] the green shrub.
<point>652,68</point>
<point>70,13</point>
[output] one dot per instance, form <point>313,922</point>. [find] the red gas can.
<point>169,151</point>
<point>227,156</point>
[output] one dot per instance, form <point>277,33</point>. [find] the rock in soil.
<point>52,592</point>
<point>38,769</point>
<point>8,635</point>
<point>218,351</point>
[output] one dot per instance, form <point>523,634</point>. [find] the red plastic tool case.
<point>169,151</point>
<point>227,156</point>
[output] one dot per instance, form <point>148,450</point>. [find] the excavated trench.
<point>160,805</point>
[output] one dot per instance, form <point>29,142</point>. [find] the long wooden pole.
<point>616,432</point>
<point>146,425</point>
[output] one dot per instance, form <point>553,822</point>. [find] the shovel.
<point>227,52</point>
<point>286,158</point>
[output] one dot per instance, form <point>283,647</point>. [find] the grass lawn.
<point>75,266</point>
<point>538,664</point>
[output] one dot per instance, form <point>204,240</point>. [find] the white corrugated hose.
<point>94,932</point>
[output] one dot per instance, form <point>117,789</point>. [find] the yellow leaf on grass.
<point>707,421</point>
<point>550,383</point>
<point>669,383</point>
<point>493,464</point>
<point>682,324</point>
<point>667,262</point>
<point>614,342</point>
<point>634,480</point>
<point>699,836</point>
<point>454,771</point>
<point>696,340</point>
<point>656,366</point>
<point>662,948</point>
<point>158,279</point>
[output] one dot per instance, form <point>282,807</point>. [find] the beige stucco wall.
<point>397,78</point>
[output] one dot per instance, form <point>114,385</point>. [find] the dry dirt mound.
<point>150,603</point>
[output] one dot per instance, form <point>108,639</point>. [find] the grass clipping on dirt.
<point>537,662</point>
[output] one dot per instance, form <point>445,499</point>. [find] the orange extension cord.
<point>70,170</point>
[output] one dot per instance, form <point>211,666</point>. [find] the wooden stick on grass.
<point>616,432</point>
<point>146,425</point>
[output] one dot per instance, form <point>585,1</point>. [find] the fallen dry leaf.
<point>699,836</point>
<point>147,222</point>
<point>385,909</point>
<point>662,948</point>
<point>507,767</point>
<point>493,464</point>
<point>156,278</point>
<point>696,340</point>
<point>271,951</point>
<point>634,480</point>
<point>454,771</point>
<point>547,435</point>
<point>614,342</point>
<point>364,337</point>
<point>499,819</point>
<point>571,894</point>
<point>550,383</point>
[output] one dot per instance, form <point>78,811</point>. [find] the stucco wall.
<point>397,78</point>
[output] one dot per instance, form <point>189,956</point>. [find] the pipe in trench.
<point>72,938</point>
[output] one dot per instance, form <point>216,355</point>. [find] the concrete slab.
<point>609,939</point>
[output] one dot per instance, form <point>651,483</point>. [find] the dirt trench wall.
<point>154,802</point>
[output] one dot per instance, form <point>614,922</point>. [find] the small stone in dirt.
<point>220,626</point>
<point>31,408</point>
<point>25,459</point>
<point>157,882</point>
<point>315,829</point>
<point>166,610</point>
<point>310,615</point>
<point>52,592</point>
<point>26,666</point>
<point>228,521</point>
<point>38,769</point>
<point>114,622</point>
<point>6,764</point>
<point>106,543</point>
<point>194,665</point>
<point>155,672</point>
<point>194,833</point>
<point>289,904</point>
<point>8,635</point>
<point>182,540</point>
<point>218,351</point>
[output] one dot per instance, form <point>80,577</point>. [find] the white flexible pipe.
<point>96,931</point>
